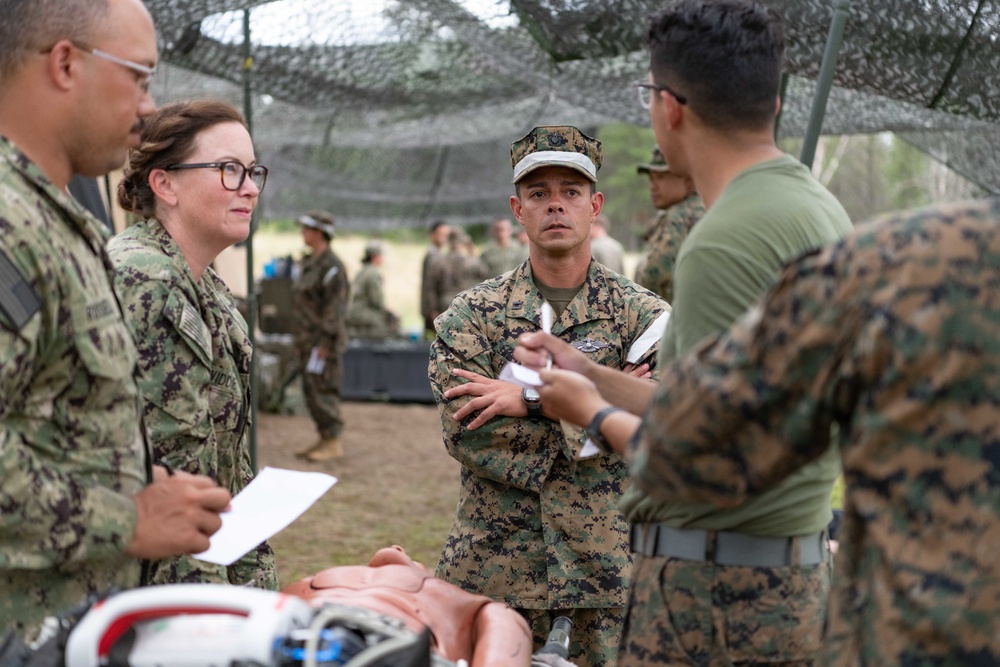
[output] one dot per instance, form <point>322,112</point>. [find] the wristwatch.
<point>533,402</point>
<point>594,429</point>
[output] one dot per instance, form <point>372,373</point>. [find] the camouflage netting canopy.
<point>395,112</point>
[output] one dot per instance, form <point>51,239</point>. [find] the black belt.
<point>725,548</point>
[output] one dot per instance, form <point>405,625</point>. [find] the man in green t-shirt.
<point>743,584</point>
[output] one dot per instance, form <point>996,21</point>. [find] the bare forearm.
<point>621,389</point>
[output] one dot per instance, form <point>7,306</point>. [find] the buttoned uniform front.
<point>71,450</point>
<point>194,364</point>
<point>536,527</point>
<point>319,301</point>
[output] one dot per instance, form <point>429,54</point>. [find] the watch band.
<point>594,428</point>
<point>534,406</point>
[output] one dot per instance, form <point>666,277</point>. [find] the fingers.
<point>177,515</point>
<point>640,371</point>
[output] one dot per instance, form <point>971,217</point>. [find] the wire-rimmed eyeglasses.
<point>144,72</point>
<point>231,172</point>
<point>646,89</point>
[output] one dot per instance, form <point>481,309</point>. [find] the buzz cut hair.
<point>29,27</point>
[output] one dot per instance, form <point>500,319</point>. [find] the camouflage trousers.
<point>685,612</point>
<point>593,639</point>
<point>322,394</point>
<point>255,569</point>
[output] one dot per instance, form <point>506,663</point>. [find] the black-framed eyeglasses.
<point>233,173</point>
<point>646,89</point>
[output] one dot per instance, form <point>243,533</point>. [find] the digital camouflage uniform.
<point>367,316</point>
<point>655,271</point>
<point>499,260</point>
<point>892,334</point>
<point>71,450</point>
<point>319,300</point>
<point>534,527</point>
<point>194,363</point>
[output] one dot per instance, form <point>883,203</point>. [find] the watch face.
<point>530,395</point>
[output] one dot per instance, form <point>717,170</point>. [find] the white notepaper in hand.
<point>522,376</point>
<point>274,499</point>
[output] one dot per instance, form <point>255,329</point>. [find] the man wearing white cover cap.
<point>537,525</point>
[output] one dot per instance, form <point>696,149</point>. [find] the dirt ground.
<point>396,485</point>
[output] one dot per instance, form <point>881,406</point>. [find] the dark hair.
<point>168,138</point>
<point>30,26</point>
<point>724,56</point>
<point>436,225</point>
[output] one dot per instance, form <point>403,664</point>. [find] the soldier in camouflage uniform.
<point>194,350</point>
<point>439,231</point>
<point>503,253</point>
<point>891,334</point>
<point>457,270</point>
<point>319,300</point>
<point>367,316</point>
<point>536,526</point>
<point>680,207</point>
<point>76,513</point>
<point>705,575</point>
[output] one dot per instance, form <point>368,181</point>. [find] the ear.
<point>777,106</point>
<point>673,109</point>
<point>162,185</point>
<point>62,64</point>
<point>596,205</point>
<point>515,208</point>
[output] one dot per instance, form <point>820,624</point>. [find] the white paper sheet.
<point>274,499</point>
<point>648,337</point>
<point>316,363</point>
<point>520,375</point>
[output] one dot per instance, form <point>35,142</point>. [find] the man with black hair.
<point>744,584</point>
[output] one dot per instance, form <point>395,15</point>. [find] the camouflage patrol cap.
<point>657,163</point>
<point>372,249</point>
<point>320,220</point>
<point>556,145</point>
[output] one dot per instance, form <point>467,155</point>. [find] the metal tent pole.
<point>825,80</point>
<point>251,291</point>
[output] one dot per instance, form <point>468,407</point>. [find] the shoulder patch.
<point>18,300</point>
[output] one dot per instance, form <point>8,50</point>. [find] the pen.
<point>547,328</point>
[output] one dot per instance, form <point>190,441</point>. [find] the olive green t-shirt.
<point>769,214</point>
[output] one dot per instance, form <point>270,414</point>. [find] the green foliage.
<point>626,193</point>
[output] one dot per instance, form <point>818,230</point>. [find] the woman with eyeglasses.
<point>194,182</point>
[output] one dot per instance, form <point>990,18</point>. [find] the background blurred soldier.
<point>457,270</point>
<point>319,299</point>
<point>429,300</point>
<point>679,208</point>
<point>77,513</point>
<point>503,253</point>
<point>604,247</point>
<point>367,316</point>
<point>536,526</point>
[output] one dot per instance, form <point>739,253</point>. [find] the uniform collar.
<point>591,302</point>
<point>74,213</point>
